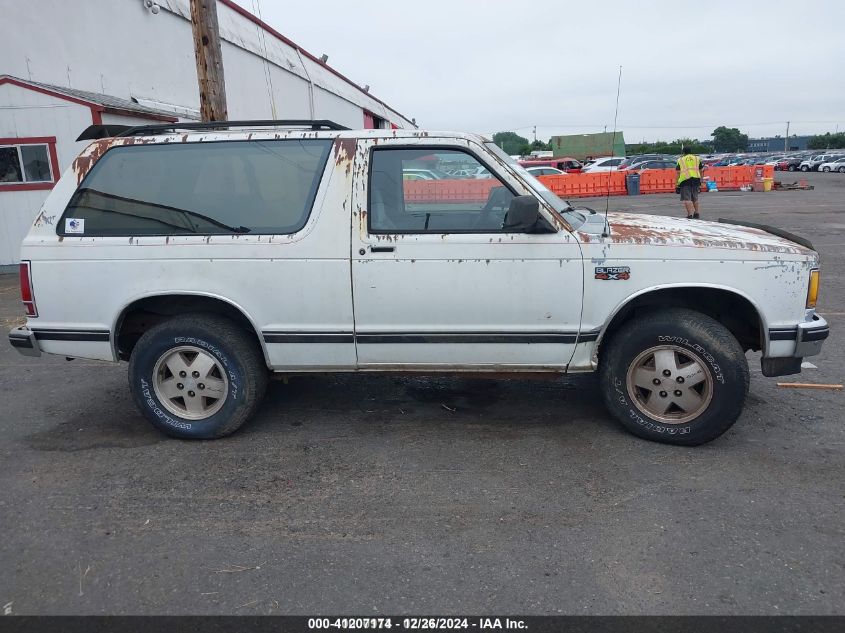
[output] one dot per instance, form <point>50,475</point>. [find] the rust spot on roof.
<point>83,163</point>
<point>344,152</point>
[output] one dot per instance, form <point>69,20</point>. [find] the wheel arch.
<point>728,305</point>
<point>142,312</point>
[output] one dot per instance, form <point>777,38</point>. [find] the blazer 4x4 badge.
<point>613,272</point>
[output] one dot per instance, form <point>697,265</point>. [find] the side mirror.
<point>524,217</point>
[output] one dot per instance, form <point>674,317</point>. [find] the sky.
<point>509,65</point>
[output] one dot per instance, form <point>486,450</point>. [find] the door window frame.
<point>434,148</point>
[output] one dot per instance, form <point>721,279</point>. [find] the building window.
<point>374,122</point>
<point>28,163</point>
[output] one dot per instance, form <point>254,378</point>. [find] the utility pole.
<point>209,58</point>
<point>786,142</point>
<point>535,133</point>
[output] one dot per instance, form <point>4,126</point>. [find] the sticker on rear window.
<point>74,225</point>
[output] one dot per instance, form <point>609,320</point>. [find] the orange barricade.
<point>452,190</point>
<point>658,180</point>
<point>583,185</point>
<point>586,185</point>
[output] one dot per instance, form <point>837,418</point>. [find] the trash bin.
<point>758,184</point>
<point>632,184</point>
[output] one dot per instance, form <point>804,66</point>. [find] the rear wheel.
<point>197,376</point>
<point>805,168</point>
<point>792,168</point>
<point>825,169</point>
<point>675,376</point>
<point>841,170</point>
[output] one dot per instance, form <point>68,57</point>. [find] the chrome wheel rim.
<point>670,384</point>
<point>190,383</point>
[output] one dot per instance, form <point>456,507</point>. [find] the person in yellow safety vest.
<point>689,182</point>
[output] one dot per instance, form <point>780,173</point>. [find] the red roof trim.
<point>27,140</point>
<point>254,19</point>
<point>52,93</point>
<point>96,108</point>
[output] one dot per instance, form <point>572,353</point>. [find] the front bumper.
<point>808,337</point>
<point>23,340</point>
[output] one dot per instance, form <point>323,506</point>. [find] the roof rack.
<point>321,124</point>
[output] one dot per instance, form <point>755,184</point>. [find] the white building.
<point>67,65</point>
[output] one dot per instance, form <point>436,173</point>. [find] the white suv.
<point>209,255</point>
<point>608,163</point>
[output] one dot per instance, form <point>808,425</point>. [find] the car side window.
<point>474,203</point>
<point>199,188</point>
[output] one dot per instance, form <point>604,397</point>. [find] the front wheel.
<point>197,376</point>
<point>842,170</point>
<point>675,376</point>
<point>805,168</point>
<point>826,169</point>
<point>792,168</point>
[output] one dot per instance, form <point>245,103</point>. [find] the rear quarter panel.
<point>278,281</point>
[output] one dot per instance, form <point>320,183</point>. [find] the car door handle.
<point>382,249</point>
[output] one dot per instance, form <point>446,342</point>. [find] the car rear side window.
<point>199,188</point>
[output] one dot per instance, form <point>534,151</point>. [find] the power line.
<point>660,127</point>
<point>268,77</point>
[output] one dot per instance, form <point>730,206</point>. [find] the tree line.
<point>725,140</point>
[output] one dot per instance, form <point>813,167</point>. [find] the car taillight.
<point>27,295</point>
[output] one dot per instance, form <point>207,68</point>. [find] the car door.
<point>439,284</point>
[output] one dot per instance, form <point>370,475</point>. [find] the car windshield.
<point>572,217</point>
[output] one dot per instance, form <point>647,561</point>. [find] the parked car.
<point>837,164</point>
<point>413,173</point>
<point>544,171</point>
<point>813,164</point>
<point>789,164</point>
<point>631,161</point>
<point>654,164</point>
<point>608,163</point>
<point>208,258</point>
<point>725,161</point>
<point>563,163</point>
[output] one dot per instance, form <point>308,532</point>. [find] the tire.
<point>826,169</point>
<point>805,168</point>
<point>792,168</point>
<point>718,365</point>
<point>225,356</point>
<point>841,170</point>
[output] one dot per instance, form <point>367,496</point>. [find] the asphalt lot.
<point>361,494</point>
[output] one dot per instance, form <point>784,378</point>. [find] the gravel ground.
<point>366,494</point>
